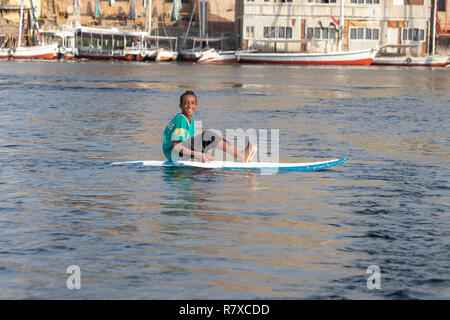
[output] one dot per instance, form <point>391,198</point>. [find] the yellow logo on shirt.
<point>179,132</point>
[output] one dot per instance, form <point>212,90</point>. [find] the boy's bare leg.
<point>245,156</point>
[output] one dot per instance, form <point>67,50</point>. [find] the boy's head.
<point>188,103</point>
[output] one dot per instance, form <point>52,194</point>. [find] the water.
<point>171,233</point>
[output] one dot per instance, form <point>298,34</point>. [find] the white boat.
<point>211,55</point>
<point>49,51</point>
<point>110,44</point>
<point>191,55</point>
<point>360,57</point>
<point>160,48</point>
<point>4,50</point>
<point>428,61</point>
<point>4,53</point>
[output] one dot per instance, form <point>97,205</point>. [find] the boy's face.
<point>189,105</point>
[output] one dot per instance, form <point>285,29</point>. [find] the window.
<point>364,33</point>
<point>375,34</point>
<point>442,5</point>
<point>269,32</point>
<point>319,33</point>
<point>410,34</point>
<point>333,33</point>
<point>360,34</point>
<point>322,1</point>
<point>289,32</point>
<point>284,32</point>
<point>272,32</point>
<point>250,32</point>
<point>366,1</point>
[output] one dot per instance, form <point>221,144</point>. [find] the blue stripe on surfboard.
<point>315,167</point>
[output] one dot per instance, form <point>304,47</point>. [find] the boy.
<point>179,140</point>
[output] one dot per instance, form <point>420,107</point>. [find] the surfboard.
<point>306,166</point>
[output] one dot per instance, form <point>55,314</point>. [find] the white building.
<point>311,25</point>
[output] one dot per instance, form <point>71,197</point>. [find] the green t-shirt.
<point>178,129</point>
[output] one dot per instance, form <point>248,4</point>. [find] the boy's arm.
<point>204,157</point>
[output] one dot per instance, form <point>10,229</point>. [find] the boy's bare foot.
<point>250,151</point>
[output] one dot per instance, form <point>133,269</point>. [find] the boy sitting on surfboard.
<point>180,142</point>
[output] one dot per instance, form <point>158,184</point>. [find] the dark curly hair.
<point>187,93</point>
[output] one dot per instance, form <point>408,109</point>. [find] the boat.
<point>426,61</point>
<point>338,57</point>
<point>161,48</point>
<point>211,55</point>
<point>200,50</point>
<point>110,44</point>
<point>49,51</point>
<point>65,42</point>
<point>360,57</point>
<point>4,48</point>
<point>46,51</point>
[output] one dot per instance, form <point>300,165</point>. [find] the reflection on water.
<point>171,233</point>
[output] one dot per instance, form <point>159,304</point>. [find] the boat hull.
<point>363,57</point>
<point>35,52</point>
<point>217,57</point>
<point>411,61</point>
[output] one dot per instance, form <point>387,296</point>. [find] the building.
<point>443,26</point>
<point>219,13</point>
<point>10,9</point>
<point>312,25</point>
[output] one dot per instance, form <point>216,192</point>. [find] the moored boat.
<point>49,51</point>
<point>427,61</point>
<point>211,55</point>
<point>110,44</point>
<point>360,57</point>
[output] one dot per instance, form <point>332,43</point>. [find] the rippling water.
<point>171,233</point>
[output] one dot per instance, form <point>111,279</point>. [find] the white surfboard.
<point>306,166</point>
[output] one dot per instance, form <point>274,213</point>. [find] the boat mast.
<point>20,25</point>
<point>433,41</point>
<point>341,27</point>
<point>36,24</point>
<point>148,16</point>
<point>77,13</point>
<point>200,24</point>
<point>189,26</point>
<point>204,19</point>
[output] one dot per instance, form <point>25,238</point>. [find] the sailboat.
<point>339,57</point>
<point>200,50</point>
<point>160,48</point>
<point>40,51</point>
